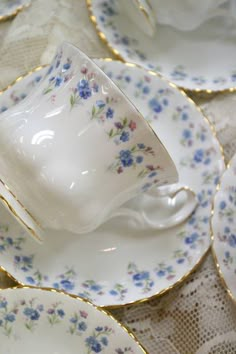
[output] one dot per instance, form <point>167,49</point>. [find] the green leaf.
<point>111,133</point>
<point>125,121</point>
<point>72,100</point>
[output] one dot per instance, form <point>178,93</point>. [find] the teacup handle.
<point>167,191</point>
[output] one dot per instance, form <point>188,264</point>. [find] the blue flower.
<point>226,229</point>
<point>9,240</point>
<point>31,313</point>
<point>61,313</point>
<point>180,260</point>
<point>58,81</point>
<point>66,66</point>
<point>141,276</point>
<point>104,341</point>
<point>161,273</point>
<point>95,287</point>
<point>124,136</point>
<point>222,205</point>
<point>125,40</point>
<point>227,254</point>
<point>10,317</point>
<point>126,158</point>
<point>165,102</point>
<point>67,284</point>
<point>155,105</point>
<point>27,259</point>
<point>152,174</point>
<point>113,292</point>
<point>2,248</point>
<point>38,78</point>
<point>187,133</point>
<point>93,344</point>
<point>3,109</point>
<point>139,159</point>
<point>102,18</point>
<point>198,155</point>
<point>30,280</point>
<point>127,78</point>
<point>141,146</point>
<point>100,103</point>
<point>40,308</point>
<point>49,70</point>
<point>192,238</point>
<point>99,329</point>
<point>73,320</point>
<point>3,304</point>
<point>184,116</point>
<point>84,89</point>
<point>232,240</point>
<point>110,113</point>
<point>146,89</point>
<point>82,326</point>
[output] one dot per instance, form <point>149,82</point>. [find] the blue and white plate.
<point>202,59</point>
<point>10,8</point>
<point>119,263</point>
<point>224,228</point>
<point>38,321</point>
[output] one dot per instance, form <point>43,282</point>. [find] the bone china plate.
<point>38,321</point>
<point>203,59</point>
<point>224,228</point>
<point>120,263</point>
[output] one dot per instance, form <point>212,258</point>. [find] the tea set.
<point>111,177</point>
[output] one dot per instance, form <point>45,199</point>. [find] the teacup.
<point>76,149</point>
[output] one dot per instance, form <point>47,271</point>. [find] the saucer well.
<point>202,59</point>
<point>224,228</point>
<point>120,263</point>
<point>41,321</point>
<point>9,8</point>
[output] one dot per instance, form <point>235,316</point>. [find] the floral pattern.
<point>133,47</point>
<point>28,311</point>
<point>202,163</point>
<point>223,226</point>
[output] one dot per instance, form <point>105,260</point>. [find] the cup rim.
<point>16,207</point>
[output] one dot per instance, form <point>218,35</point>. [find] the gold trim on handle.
<point>200,260</point>
<point>120,56</point>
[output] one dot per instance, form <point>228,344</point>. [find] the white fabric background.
<point>198,317</point>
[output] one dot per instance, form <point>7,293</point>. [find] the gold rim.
<point>119,56</point>
<point>200,260</point>
<point>15,12</point>
<point>76,297</point>
<point>213,240</point>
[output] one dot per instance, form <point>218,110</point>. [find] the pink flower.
<point>120,170</point>
<point>132,125</point>
<point>83,314</point>
<point>84,70</point>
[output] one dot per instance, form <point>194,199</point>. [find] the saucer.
<point>187,58</point>
<point>9,8</point>
<point>224,228</point>
<point>120,263</point>
<point>39,321</point>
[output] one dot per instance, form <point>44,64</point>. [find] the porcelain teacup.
<point>76,149</point>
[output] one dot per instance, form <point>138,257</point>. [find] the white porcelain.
<point>38,321</point>
<point>120,262</point>
<point>76,149</point>
<point>224,228</point>
<point>140,13</point>
<point>187,58</point>
<point>10,8</point>
<point>187,15</point>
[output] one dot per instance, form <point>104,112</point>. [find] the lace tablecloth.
<point>198,317</point>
